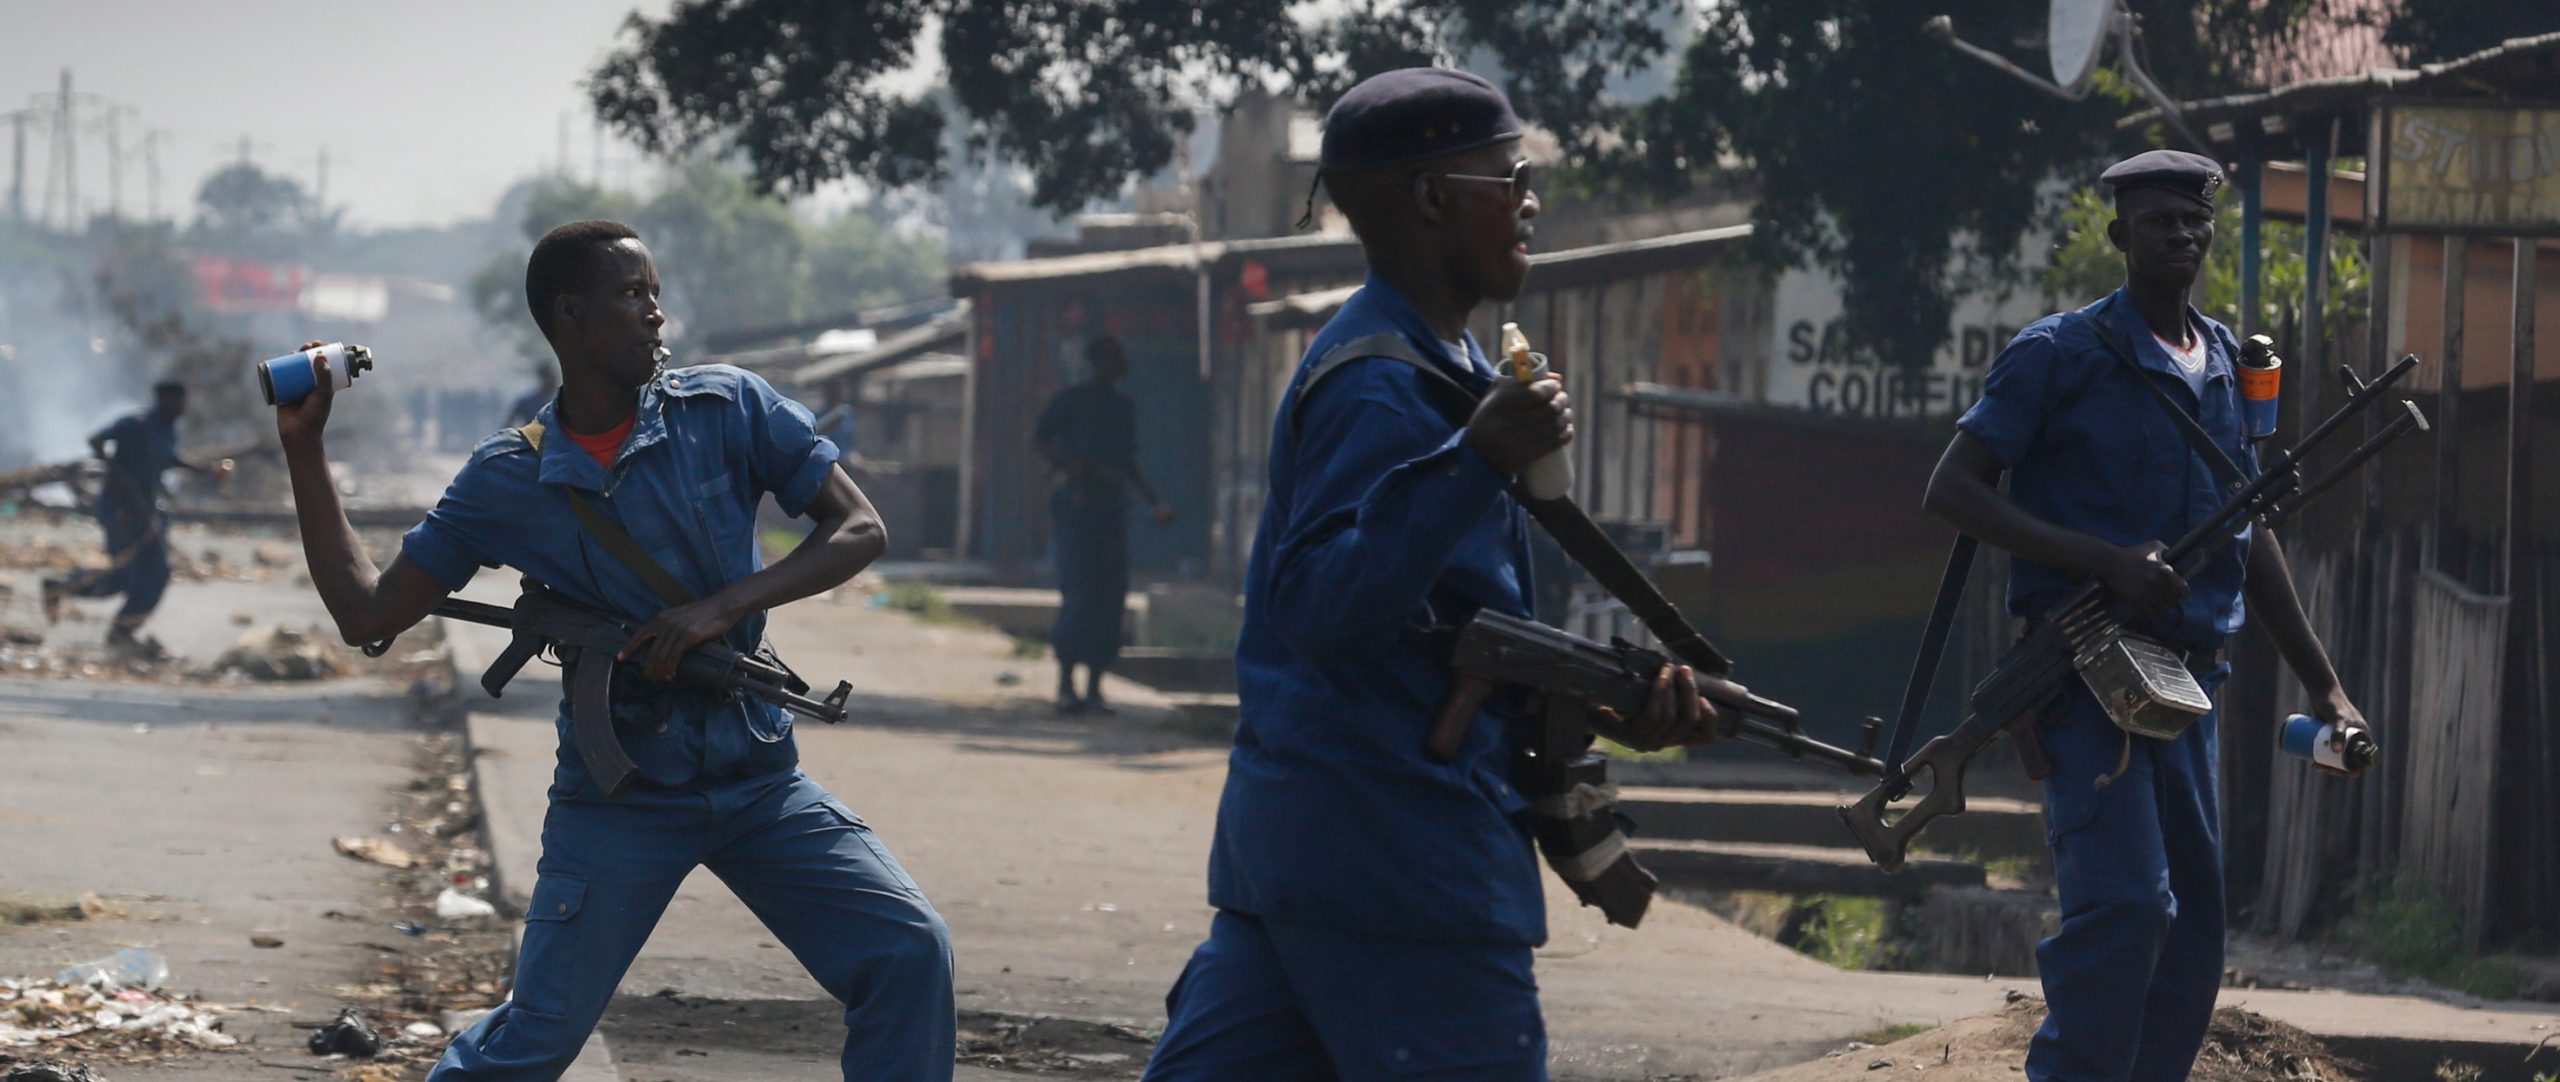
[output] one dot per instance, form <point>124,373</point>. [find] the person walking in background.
<point>1089,434</point>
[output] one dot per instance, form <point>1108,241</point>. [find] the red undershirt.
<point>604,445</point>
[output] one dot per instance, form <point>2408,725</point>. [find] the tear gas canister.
<point>286,380</point>
<point>2309,737</point>
<point>2261,372</point>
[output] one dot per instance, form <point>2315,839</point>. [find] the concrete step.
<point>1208,715</point>
<point>1990,827</point>
<point>1027,612</point>
<point>1795,869</point>
<point>1171,670</point>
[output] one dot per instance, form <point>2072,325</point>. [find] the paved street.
<point>1068,857</point>
<point>1066,854</point>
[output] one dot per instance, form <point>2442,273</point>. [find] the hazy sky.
<point>428,111</point>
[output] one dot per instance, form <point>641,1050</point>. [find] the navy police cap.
<point>2191,175</point>
<point>1411,114</point>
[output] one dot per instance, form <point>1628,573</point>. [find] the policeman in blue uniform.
<point>680,459</point>
<point>145,447</point>
<point>1377,907</point>
<point>2099,478</point>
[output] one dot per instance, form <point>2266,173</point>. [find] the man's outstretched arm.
<point>368,606</point>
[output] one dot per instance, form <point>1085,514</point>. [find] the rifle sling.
<point>617,541</point>
<point>2224,470</point>
<point>1573,530</point>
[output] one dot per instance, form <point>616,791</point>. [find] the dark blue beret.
<point>2191,175</point>
<point>1411,114</point>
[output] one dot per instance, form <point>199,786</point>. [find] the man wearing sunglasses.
<point>1377,906</point>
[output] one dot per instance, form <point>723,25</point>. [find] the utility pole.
<point>598,174</point>
<point>563,165</point>
<point>110,119</point>
<point>18,167</point>
<point>151,141</point>
<point>66,139</point>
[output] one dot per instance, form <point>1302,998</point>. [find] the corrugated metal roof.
<point>2517,68</point>
<point>1551,270</point>
<point>1177,257</point>
<point>943,334</point>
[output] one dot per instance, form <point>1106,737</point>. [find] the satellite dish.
<point>2076,42</point>
<point>2076,39</point>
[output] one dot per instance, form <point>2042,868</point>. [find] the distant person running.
<point>145,446</point>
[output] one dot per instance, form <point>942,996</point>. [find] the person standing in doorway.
<point>1089,434</point>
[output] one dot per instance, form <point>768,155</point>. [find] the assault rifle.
<point>586,642</point>
<point>1572,806</point>
<point>1496,649</point>
<point>2038,668</point>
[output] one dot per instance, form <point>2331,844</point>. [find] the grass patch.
<point>2414,933</point>
<point>16,909</point>
<point>1889,1034</point>
<point>1625,754</point>
<point>778,540</point>
<point>1026,648</point>
<point>1845,932</point>
<point>921,600</point>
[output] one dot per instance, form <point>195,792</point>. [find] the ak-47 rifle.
<point>587,643</point>
<point>2038,668</point>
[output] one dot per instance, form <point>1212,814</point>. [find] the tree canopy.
<point>1876,153</point>
<point>729,258</point>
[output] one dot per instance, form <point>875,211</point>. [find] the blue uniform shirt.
<point>146,447</point>
<point>708,444</point>
<point>2089,450</point>
<point>1379,523</point>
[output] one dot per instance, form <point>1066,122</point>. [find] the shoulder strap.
<point>2224,470</point>
<point>616,540</point>
<point>1455,402</point>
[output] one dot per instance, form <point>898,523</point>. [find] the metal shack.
<point>1179,311</point>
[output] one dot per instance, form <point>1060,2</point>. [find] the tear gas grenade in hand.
<point>2309,738</point>
<point>291,378</point>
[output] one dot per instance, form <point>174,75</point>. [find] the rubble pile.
<point>104,1021</point>
<point>278,652</point>
<point>2242,1047</point>
<point>452,960</point>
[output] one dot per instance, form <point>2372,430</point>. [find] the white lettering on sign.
<point>2493,169</point>
<point>1814,368</point>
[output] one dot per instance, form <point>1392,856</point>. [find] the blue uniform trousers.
<point>2130,979</point>
<point>1278,1001</point>
<point>800,860</point>
<point>137,558</point>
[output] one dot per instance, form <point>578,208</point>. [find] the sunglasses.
<point>1522,181</point>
